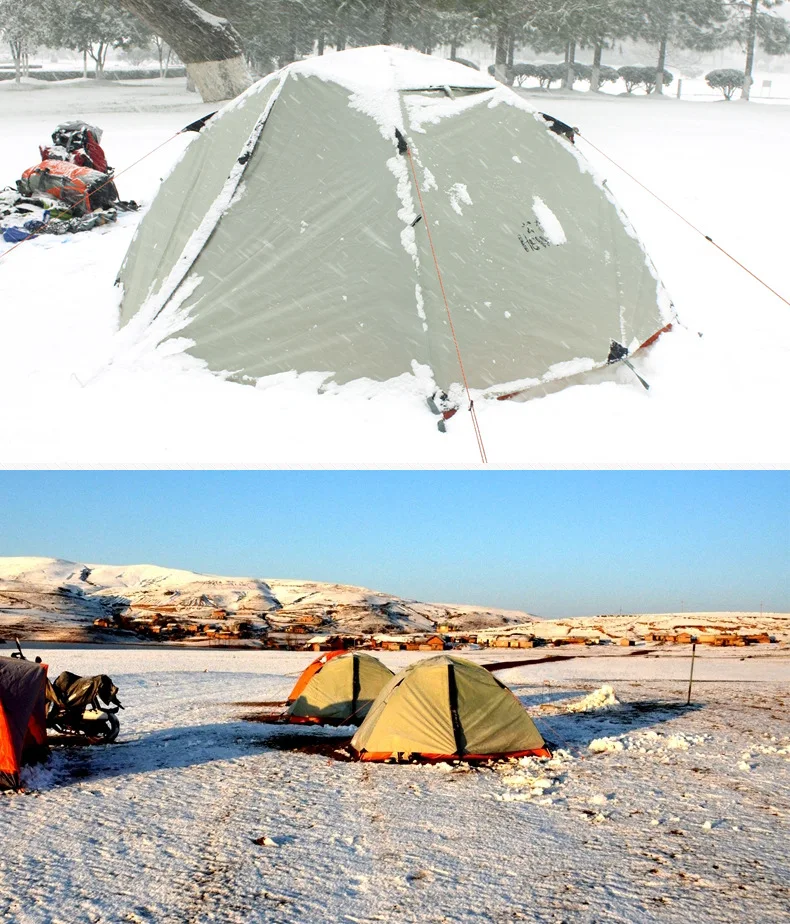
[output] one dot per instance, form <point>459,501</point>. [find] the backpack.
<point>81,189</point>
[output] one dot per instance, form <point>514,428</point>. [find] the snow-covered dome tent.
<point>292,236</point>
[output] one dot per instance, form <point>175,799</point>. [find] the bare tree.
<point>208,45</point>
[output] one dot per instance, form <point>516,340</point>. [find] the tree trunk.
<point>101,57</point>
<point>16,54</point>
<point>750,43</point>
<point>595,76</point>
<point>208,45</point>
<point>511,48</point>
<point>389,17</point>
<point>321,40</point>
<point>84,64</point>
<point>501,44</point>
<point>662,60</point>
<point>453,48</point>
<point>570,56</point>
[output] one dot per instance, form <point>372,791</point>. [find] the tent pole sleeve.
<point>355,687</point>
<point>458,733</point>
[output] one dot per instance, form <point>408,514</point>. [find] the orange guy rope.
<point>475,424</point>
<point>686,221</point>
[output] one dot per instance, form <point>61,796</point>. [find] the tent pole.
<point>691,675</point>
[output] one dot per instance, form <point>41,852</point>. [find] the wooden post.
<point>691,675</point>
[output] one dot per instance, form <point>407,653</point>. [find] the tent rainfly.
<point>23,726</point>
<point>337,689</point>
<point>446,708</point>
<point>317,222</point>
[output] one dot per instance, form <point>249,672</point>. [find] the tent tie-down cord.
<point>106,183</point>
<point>475,423</point>
<point>686,221</point>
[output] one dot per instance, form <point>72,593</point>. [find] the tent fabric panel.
<point>185,197</point>
<point>306,270</point>
<point>37,725</point>
<point>493,720</point>
<point>307,674</point>
<point>527,303</point>
<point>329,694</point>
<point>373,677</point>
<point>22,693</point>
<point>412,716</point>
<point>10,757</point>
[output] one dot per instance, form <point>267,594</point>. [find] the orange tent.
<point>23,725</point>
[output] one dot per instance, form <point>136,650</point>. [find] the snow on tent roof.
<point>446,707</point>
<point>290,237</point>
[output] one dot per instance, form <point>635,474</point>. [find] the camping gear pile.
<point>70,190</point>
<point>335,216</point>
<point>437,709</point>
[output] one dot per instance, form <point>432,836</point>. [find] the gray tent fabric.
<point>291,238</point>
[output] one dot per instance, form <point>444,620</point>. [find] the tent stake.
<point>691,675</point>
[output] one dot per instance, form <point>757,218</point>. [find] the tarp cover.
<point>285,239</point>
<point>23,731</point>
<point>413,715</point>
<point>342,691</point>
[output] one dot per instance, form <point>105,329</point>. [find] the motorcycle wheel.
<point>103,731</point>
<point>113,727</point>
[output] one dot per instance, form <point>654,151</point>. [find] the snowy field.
<point>674,813</point>
<point>718,383</point>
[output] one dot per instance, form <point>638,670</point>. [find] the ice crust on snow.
<point>605,745</point>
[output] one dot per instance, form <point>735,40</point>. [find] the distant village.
<point>224,629</point>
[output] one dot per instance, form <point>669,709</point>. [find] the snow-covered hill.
<point>52,597</point>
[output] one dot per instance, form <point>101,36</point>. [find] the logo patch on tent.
<point>533,236</point>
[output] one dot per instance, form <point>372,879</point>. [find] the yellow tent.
<point>445,708</point>
<point>340,692</point>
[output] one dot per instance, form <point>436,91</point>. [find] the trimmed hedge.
<point>635,75</point>
<point>135,74</point>
<point>725,79</point>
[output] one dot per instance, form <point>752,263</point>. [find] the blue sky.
<point>557,543</point>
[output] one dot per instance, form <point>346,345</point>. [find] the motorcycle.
<point>76,706</point>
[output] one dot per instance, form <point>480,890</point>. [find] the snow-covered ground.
<point>718,383</point>
<point>649,811</point>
